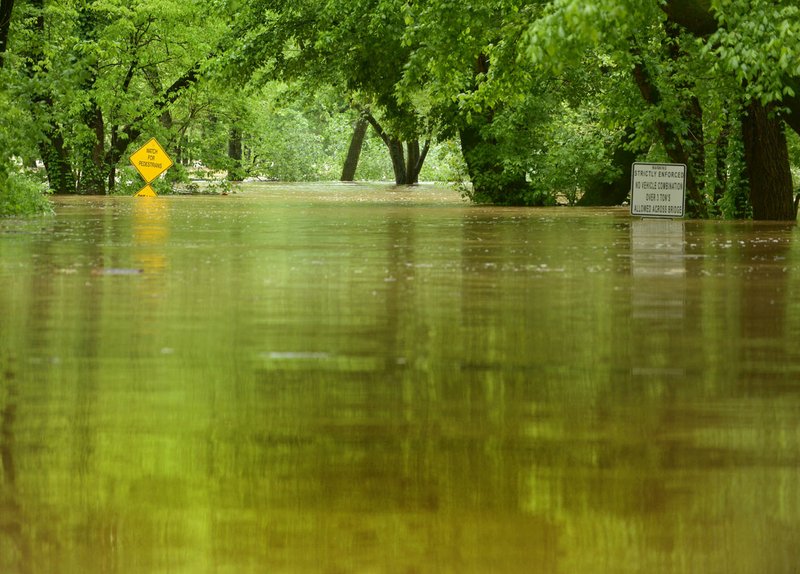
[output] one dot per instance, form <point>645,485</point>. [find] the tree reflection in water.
<point>346,379</point>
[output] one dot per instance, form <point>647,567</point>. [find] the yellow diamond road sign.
<point>151,160</point>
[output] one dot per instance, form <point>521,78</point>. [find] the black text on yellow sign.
<point>150,161</point>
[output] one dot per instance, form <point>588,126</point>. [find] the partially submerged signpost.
<point>150,161</point>
<point>658,189</point>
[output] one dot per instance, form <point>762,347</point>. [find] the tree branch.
<point>133,130</point>
<point>376,126</point>
<point>423,154</point>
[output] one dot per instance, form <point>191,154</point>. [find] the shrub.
<point>22,195</point>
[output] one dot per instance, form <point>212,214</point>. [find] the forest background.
<point>518,102</point>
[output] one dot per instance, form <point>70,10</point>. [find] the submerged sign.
<point>146,191</point>
<point>658,189</point>
<point>150,161</point>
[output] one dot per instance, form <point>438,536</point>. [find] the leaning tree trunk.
<point>767,159</point>
<point>406,169</point>
<point>354,151</point>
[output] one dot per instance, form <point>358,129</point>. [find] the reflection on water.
<point>365,379</point>
<point>150,235</point>
<point>658,314</point>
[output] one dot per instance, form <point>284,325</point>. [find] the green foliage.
<point>697,85</point>
<point>16,123</point>
<point>794,153</point>
<point>22,194</point>
<point>292,150</point>
<point>445,163</point>
<point>129,181</point>
<point>577,151</point>
<point>93,75</point>
<point>533,95</point>
<point>758,42</point>
<point>566,29</point>
<point>735,203</point>
<point>353,45</point>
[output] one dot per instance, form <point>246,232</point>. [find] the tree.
<point>466,65</point>
<point>755,41</point>
<point>88,76</point>
<point>354,45</point>
<point>681,136</point>
<point>743,57</point>
<point>640,52</point>
<point>547,99</point>
<point>405,164</point>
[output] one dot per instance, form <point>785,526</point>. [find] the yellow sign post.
<point>150,161</point>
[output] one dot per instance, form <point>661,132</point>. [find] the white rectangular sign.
<point>658,189</point>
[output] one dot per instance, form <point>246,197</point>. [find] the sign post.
<point>150,161</point>
<point>658,189</point>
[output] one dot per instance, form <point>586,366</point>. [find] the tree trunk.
<point>354,151</point>
<point>412,159</point>
<point>415,160</point>
<point>56,162</point>
<point>721,172</point>
<point>93,170</point>
<point>395,147</point>
<point>421,159</point>
<point>6,7</point>
<point>236,171</point>
<point>767,159</point>
<point>398,160</point>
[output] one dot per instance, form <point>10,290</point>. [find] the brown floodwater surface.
<point>365,379</point>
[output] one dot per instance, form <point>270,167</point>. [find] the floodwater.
<point>354,378</point>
